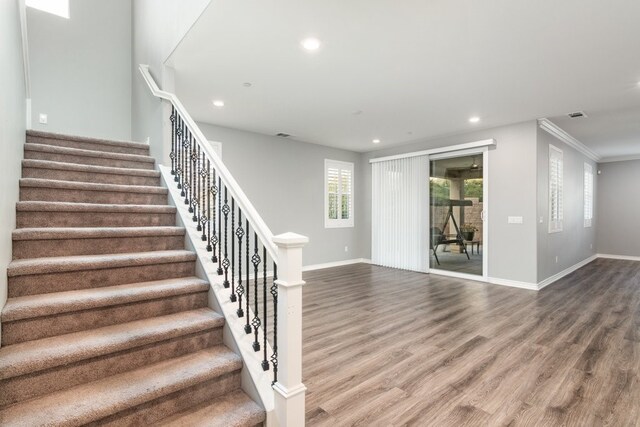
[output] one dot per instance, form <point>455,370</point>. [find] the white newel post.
<point>289,390</point>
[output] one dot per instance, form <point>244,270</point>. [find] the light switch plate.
<point>43,119</point>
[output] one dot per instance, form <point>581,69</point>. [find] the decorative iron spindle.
<point>274,294</point>
<point>233,298</point>
<point>219,239</point>
<point>209,242</point>
<point>225,261</point>
<point>195,179</point>
<point>204,213</point>
<point>186,183</point>
<point>247,283</point>
<point>178,151</point>
<point>265,362</point>
<point>172,155</point>
<point>183,159</point>
<point>255,259</point>
<point>240,287</point>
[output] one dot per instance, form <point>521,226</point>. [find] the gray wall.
<point>512,186</point>
<point>158,27</point>
<point>284,180</point>
<point>618,208</point>
<point>81,69</point>
<point>12,128</point>
<point>575,242</point>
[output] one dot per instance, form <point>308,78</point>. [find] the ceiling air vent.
<point>283,135</point>
<point>577,115</point>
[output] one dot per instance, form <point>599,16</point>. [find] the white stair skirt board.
<point>255,382</point>
<point>621,257</point>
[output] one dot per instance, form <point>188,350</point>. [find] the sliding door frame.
<point>485,211</point>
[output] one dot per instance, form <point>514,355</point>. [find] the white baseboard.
<point>546,282</point>
<point>513,283</point>
<point>622,257</point>
<point>335,264</point>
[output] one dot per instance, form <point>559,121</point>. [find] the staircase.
<point>106,323</point>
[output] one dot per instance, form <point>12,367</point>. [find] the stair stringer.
<point>255,382</point>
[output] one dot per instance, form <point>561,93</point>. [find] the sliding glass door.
<point>456,225</point>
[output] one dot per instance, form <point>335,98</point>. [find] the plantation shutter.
<point>555,189</point>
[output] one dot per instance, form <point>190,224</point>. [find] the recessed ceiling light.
<point>311,43</point>
<point>474,119</point>
<point>376,141</point>
<point>218,103</point>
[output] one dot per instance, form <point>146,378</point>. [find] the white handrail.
<point>256,221</point>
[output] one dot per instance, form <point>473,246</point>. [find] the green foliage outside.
<point>440,188</point>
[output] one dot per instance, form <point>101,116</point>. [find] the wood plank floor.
<point>385,347</point>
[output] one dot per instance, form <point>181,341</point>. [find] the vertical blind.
<point>400,213</point>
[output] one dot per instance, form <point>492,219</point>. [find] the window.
<point>555,189</point>
<point>588,195</point>
<point>55,7</point>
<point>338,189</point>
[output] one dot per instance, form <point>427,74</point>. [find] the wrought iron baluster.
<point>240,288</point>
<point>204,213</point>
<point>225,261</point>
<point>233,251</point>
<point>172,156</point>
<point>186,185</point>
<point>179,134</point>
<point>265,362</point>
<point>183,176</point>
<point>274,294</point>
<point>195,159</point>
<point>219,235</point>
<point>209,243</point>
<point>255,259</point>
<point>247,283</point>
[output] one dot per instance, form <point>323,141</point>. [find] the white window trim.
<point>556,226</point>
<point>588,192</point>
<point>338,223</point>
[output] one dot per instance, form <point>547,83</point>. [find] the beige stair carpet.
<point>106,323</point>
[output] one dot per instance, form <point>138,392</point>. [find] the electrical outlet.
<point>556,259</point>
<point>43,119</point>
<point>541,219</point>
<point>514,220</point>
<point>346,248</point>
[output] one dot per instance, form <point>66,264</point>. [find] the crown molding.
<point>547,125</point>
<point>620,158</point>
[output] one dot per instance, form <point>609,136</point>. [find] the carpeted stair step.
<point>44,366</point>
<point>60,171</point>
<point>235,409</point>
<point>58,274</point>
<point>33,317</point>
<point>94,144</point>
<point>63,214</point>
<point>138,397</point>
<point>47,190</point>
<point>53,242</point>
<point>87,157</point>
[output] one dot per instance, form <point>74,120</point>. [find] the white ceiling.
<point>415,69</point>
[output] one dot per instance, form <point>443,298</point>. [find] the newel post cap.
<point>290,240</point>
